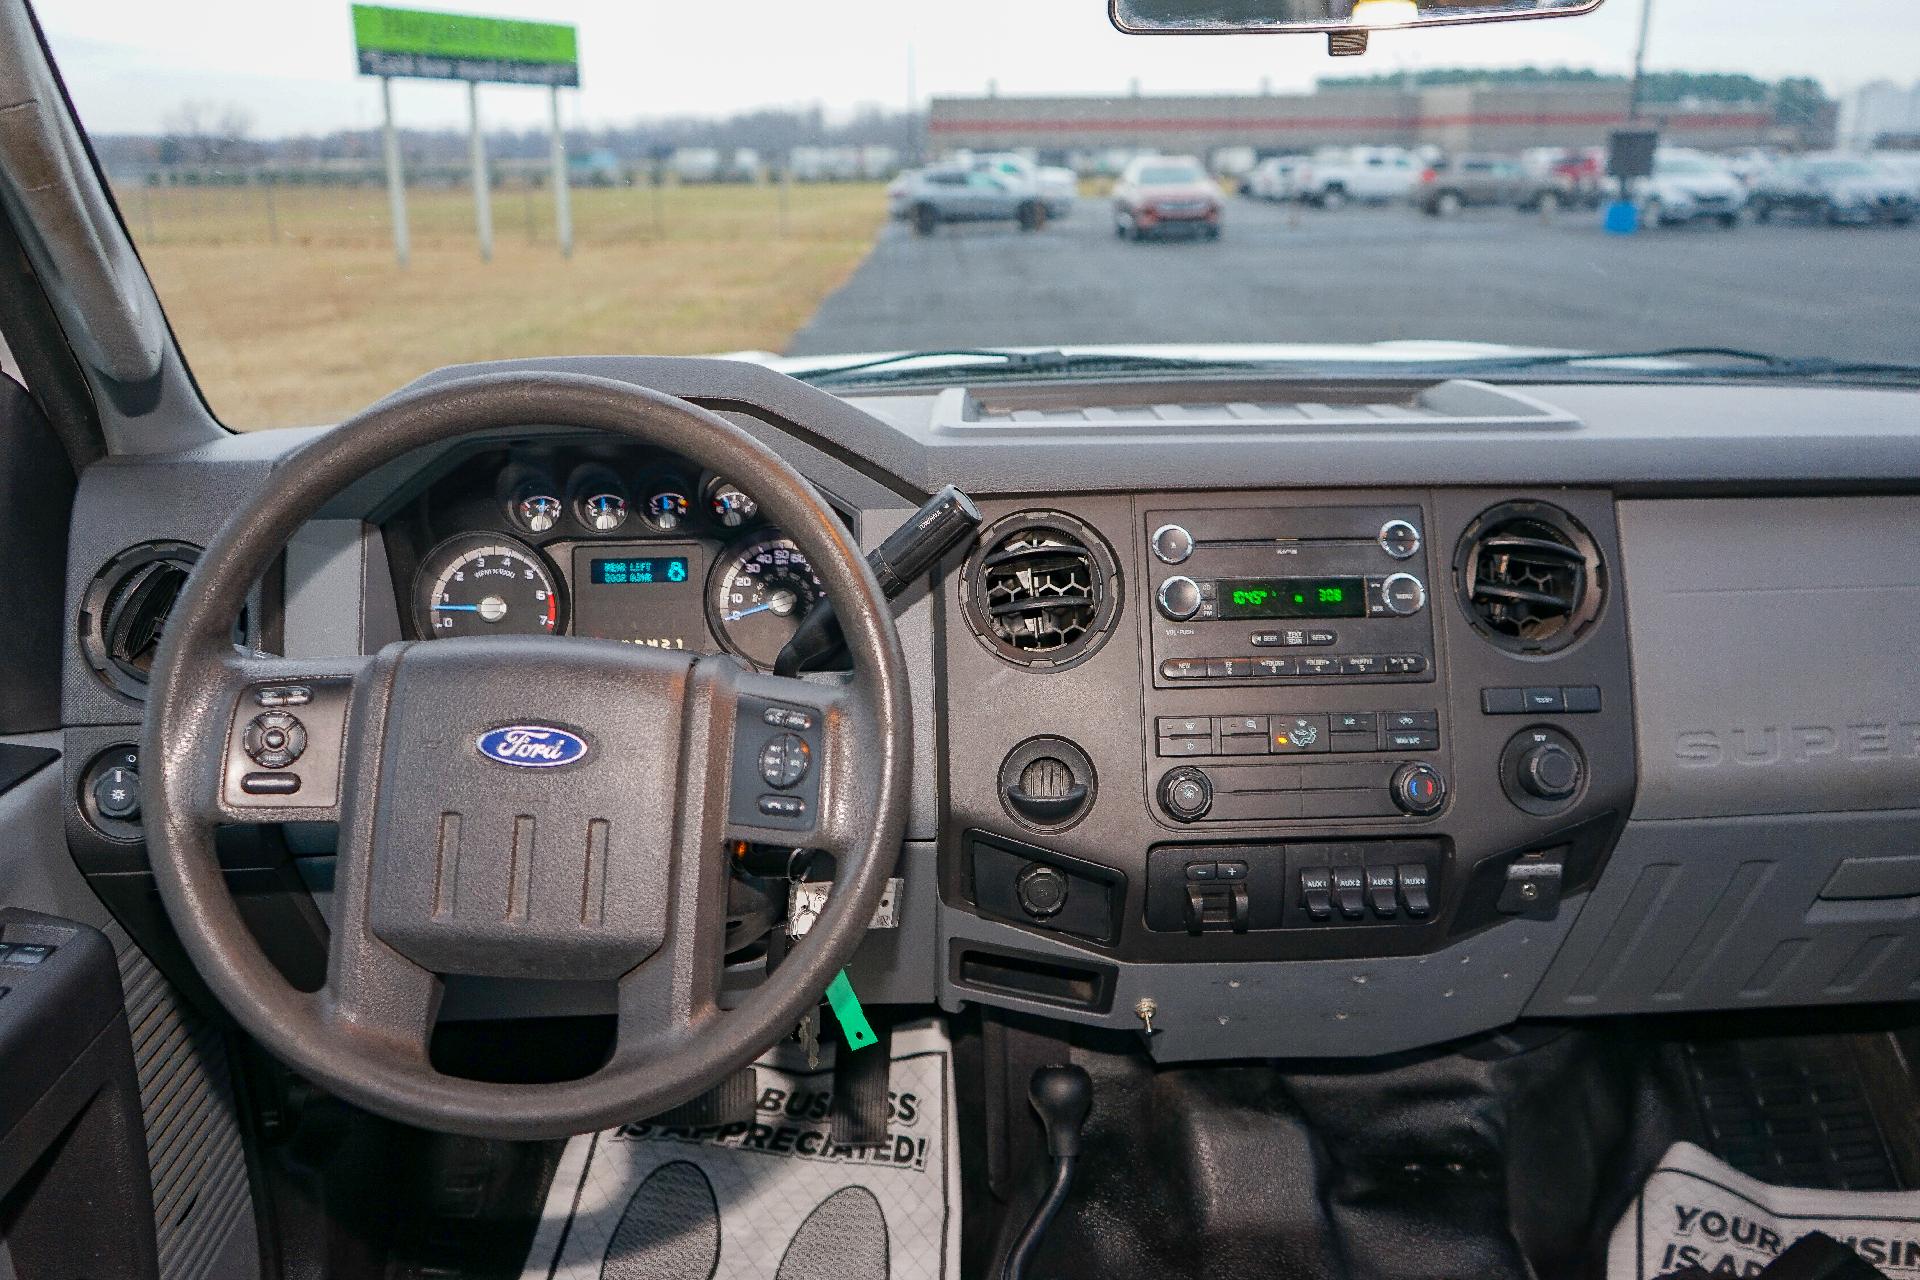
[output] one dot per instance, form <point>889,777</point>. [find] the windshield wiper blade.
<point>944,363</point>
<point>1727,361</point>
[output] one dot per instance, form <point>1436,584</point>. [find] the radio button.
<point>1172,544</point>
<point>1265,639</point>
<point>1272,667</point>
<point>1362,664</point>
<point>1321,639</point>
<point>1232,668</point>
<point>1299,735</point>
<point>1317,666</point>
<point>1403,594</point>
<point>1399,539</point>
<point>1184,669</point>
<point>1405,664</point>
<point>1179,598</point>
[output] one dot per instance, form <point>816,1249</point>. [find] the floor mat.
<point>1793,1111</point>
<point>1697,1211</point>
<point>770,1200</point>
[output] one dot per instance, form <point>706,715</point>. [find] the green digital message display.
<point>639,570</point>
<point>423,44</point>
<point>1292,598</point>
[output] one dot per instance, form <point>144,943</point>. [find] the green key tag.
<point>846,1007</point>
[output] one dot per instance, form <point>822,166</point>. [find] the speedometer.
<point>484,584</point>
<point>758,595</point>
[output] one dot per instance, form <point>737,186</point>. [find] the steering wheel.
<point>528,807</point>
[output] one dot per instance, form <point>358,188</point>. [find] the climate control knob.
<point>1549,771</point>
<point>1186,794</point>
<point>1419,789</point>
<point>1179,598</point>
<point>1403,594</point>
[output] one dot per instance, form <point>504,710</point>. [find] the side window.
<point>946,180</point>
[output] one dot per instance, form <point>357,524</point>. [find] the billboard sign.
<point>419,44</point>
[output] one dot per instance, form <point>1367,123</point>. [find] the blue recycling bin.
<point>1622,218</point>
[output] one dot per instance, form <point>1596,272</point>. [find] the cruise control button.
<point>270,784</point>
<point>783,806</point>
<point>293,695</point>
<point>784,760</point>
<point>25,954</point>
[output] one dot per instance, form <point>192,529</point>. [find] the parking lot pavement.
<point>1282,274</point>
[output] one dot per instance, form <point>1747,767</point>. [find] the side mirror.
<point>1346,22</point>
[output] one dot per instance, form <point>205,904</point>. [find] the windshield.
<point>741,179</point>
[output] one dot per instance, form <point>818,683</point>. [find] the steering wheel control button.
<point>1419,789</point>
<point>293,695</point>
<point>274,739</point>
<point>784,760</point>
<point>1179,598</point>
<point>27,955</point>
<point>1399,539</point>
<point>1403,594</point>
<point>116,794</point>
<point>270,784</point>
<point>1172,544</point>
<point>1186,794</point>
<point>783,806</point>
<point>788,718</point>
<point>1041,890</point>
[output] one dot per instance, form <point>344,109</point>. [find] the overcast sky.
<point>290,63</point>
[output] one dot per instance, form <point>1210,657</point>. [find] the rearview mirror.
<point>1340,17</point>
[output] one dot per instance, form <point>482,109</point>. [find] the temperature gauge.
<point>667,510</point>
<point>603,512</point>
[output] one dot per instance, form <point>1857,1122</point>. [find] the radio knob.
<point>1549,771</point>
<point>1179,598</point>
<point>1172,544</point>
<point>1186,794</point>
<point>1403,594</point>
<point>1399,539</point>
<point>1419,789</point>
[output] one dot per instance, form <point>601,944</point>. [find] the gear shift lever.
<point>1062,1096</point>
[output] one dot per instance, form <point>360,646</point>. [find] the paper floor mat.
<point>773,1200</point>
<point>1697,1211</point>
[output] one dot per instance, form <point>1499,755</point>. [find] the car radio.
<point>1288,596</point>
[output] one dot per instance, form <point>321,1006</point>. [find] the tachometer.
<point>757,596</point>
<point>485,584</point>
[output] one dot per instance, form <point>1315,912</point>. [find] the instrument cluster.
<point>598,541</point>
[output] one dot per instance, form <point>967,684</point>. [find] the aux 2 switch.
<point>1186,794</point>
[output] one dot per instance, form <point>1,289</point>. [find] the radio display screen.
<point>1292,598</point>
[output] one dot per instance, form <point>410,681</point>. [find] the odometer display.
<point>758,595</point>
<point>484,584</point>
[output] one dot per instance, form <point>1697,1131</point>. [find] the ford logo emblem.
<point>532,746</point>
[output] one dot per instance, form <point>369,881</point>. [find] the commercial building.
<point>1457,118</point>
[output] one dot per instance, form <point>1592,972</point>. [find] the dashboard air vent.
<point>1041,590</point>
<point>126,609</point>
<point>1530,577</point>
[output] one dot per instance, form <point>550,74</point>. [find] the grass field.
<point>291,310</point>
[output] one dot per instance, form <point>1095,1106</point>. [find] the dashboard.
<point>1259,720</point>
<point>595,539</point>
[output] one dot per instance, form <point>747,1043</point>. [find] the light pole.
<point>1639,60</point>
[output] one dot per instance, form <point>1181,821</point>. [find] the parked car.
<point>1564,177</point>
<point>1835,187</point>
<point>1689,186</point>
<point>1157,194</point>
<point>1372,174</point>
<point>1276,178</point>
<point>968,193</point>
<point>1460,182</point>
<point>1058,187</point>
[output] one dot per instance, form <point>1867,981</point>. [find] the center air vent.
<point>1042,591</point>
<point>126,609</point>
<point>1530,577</point>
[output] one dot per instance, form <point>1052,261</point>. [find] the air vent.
<point>126,609</point>
<point>1530,577</point>
<point>1042,591</point>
